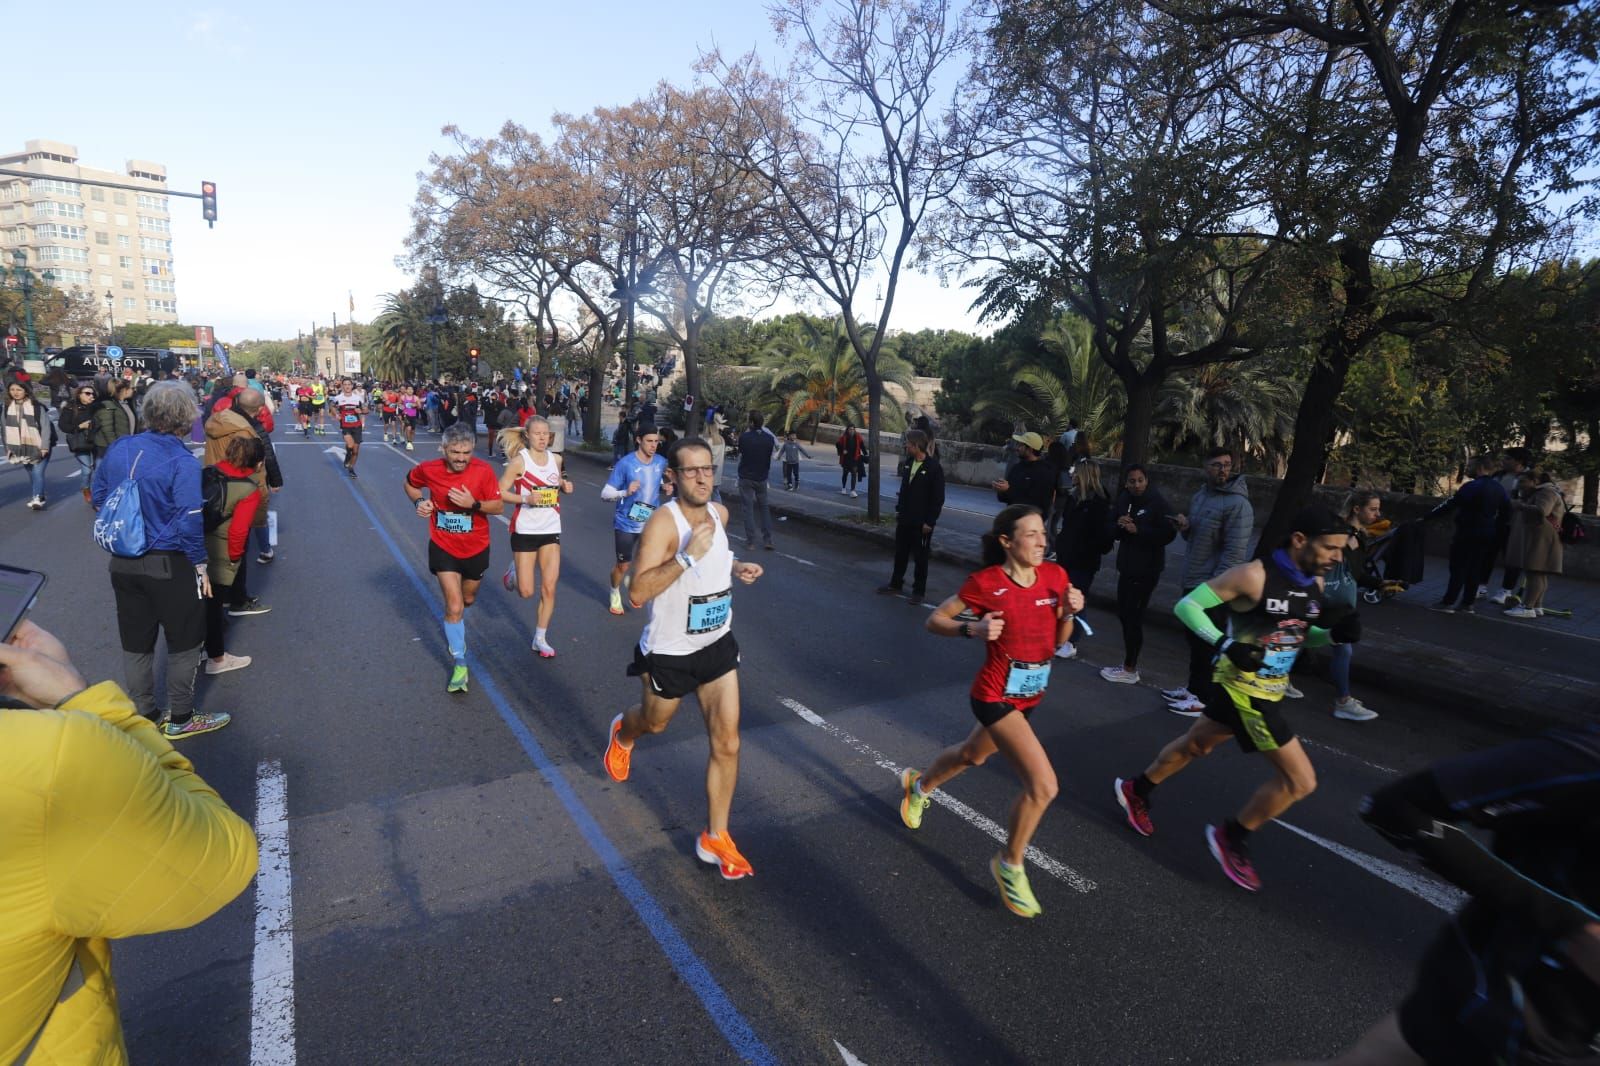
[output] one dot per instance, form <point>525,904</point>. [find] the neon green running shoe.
<point>912,803</point>
<point>458,679</point>
<point>1014,890</point>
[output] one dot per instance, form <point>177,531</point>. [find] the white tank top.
<point>542,484</point>
<point>696,610</point>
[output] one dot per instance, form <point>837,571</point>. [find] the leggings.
<point>1133,597</point>
<point>847,480</point>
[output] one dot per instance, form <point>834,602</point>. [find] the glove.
<point>1247,657</point>
<point>1347,630</point>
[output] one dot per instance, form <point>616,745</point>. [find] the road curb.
<point>1504,697</point>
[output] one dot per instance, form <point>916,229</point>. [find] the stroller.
<point>1398,548</point>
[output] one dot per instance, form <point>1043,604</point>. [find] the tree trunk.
<point>874,468</point>
<point>546,379</point>
<point>691,369</point>
<point>597,392</point>
<point>1313,429</point>
<point>1138,419</point>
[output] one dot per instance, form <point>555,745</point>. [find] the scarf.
<point>24,439</point>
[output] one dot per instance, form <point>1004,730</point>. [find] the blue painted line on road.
<point>738,1033</point>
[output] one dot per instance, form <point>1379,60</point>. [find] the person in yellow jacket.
<point>108,833</point>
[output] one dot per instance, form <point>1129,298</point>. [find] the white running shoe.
<point>1521,612</point>
<point>1176,695</point>
<point>1189,708</point>
<point>1353,710</point>
<point>226,663</point>
<point>1292,693</point>
<point>1501,597</point>
<point>1119,676</point>
<point>1068,650</point>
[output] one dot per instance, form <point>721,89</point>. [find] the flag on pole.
<point>352,302</point>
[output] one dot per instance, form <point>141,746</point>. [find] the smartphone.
<point>18,589</point>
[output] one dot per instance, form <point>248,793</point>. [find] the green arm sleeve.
<point>1191,611</point>
<point>1317,638</point>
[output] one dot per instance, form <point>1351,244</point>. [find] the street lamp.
<point>19,260</point>
<point>111,318</point>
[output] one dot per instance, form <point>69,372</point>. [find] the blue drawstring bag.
<point>119,527</point>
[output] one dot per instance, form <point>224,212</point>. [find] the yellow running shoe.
<point>1014,890</point>
<point>912,802</point>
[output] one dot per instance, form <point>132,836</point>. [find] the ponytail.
<point>511,440</point>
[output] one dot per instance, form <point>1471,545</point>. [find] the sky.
<point>314,120</point>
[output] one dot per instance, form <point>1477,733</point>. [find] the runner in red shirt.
<point>1025,608</point>
<point>456,494</point>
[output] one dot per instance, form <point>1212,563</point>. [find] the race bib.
<point>1277,664</point>
<point>453,521</point>
<point>543,497</point>
<point>350,418</point>
<point>640,512</point>
<point>707,613</point>
<point>1026,680</point>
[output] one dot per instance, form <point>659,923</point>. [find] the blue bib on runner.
<point>1026,680</point>
<point>453,521</point>
<point>709,612</point>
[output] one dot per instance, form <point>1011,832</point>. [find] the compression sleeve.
<point>611,492</point>
<point>1191,611</point>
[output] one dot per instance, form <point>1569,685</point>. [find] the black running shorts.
<point>353,432</point>
<point>990,713</point>
<point>624,542</point>
<point>1258,725</point>
<point>305,407</point>
<point>470,568</point>
<point>532,542</point>
<point>673,677</point>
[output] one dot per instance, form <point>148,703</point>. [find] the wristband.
<point>685,560</point>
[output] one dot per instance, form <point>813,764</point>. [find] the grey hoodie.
<point>1220,523</point>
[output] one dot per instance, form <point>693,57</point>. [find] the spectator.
<point>1217,529</point>
<point>718,437</point>
<point>851,449</point>
<point>29,436</point>
<point>1512,463</point>
<point>621,441</point>
<point>1477,506</point>
<point>228,513</point>
<point>1070,435</point>
<point>116,417</point>
<point>1057,456</point>
<point>109,833</point>
<point>156,592</point>
<point>1085,538</point>
<point>1341,596</point>
<point>1143,525</point>
<point>791,453</point>
<point>755,463</point>
<point>1030,480</point>
<point>76,421</point>
<point>916,513</point>
<point>239,420</point>
<point>1535,543</point>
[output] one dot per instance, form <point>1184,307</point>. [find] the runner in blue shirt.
<point>636,486</point>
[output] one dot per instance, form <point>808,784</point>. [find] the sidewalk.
<point>1504,672</point>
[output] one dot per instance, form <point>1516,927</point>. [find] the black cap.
<point>1318,521</point>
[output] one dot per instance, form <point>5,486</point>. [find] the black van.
<point>87,361</point>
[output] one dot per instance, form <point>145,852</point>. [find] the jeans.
<point>86,462</point>
<point>1340,668</point>
<point>753,498</point>
<point>36,477</point>
<point>847,479</point>
<point>791,475</point>
<point>263,544</point>
<point>1133,599</point>
<point>911,545</point>
<point>1466,562</point>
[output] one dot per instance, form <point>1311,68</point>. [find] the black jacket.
<point>1032,483</point>
<point>1084,538</point>
<point>274,475</point>
<point>1142,553</point>
<point>921,495</point>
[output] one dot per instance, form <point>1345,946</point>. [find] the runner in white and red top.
<point>532,483</point>
<point>349,408</point>
<point>456,494</point>
<point>1024,608</point>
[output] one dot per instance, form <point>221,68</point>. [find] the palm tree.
<point>815,375</point>
<point>1046,398</point>
<point>1249,407</point>
<point>402,339</point>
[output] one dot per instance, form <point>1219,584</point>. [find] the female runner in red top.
<point>1024,609</point>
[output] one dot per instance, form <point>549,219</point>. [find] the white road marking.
<point>335,450</point>
<point>1447,898</point>
<point>1308,742</point>
<point>849,1059</point>
<point>796,558</point>
<point>272,967</point>
<point>961,810</point>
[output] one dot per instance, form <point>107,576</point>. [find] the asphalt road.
<point>467,886</point>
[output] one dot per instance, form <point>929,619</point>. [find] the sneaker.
<point>844,492</point>
<point>35,504</point>
<point>1500,597</point>
<point>1521,612</point>
<point>719,850</point>
<point>889,590</point>
<point>352,471</point>
<point>1189,708</point>
<point>1068,650</point>
<point>1466,608</point>
<point>545,650</point>
<point>1483,590</point>
<point>1233,858</point>
<point>769,546</point>
<point>1014,890</point>
<point>1118,675</point>
<point>1176,695</point>
<point>915,599</point>
<point>226,663</point>
<point>1134,806</point>
<point>410,447</point>
<point>458,678</point>
<point>199,722</point>
<point>508,580</point>
<point>1292,693</point>
<point>616,601</point>
<point>266,557</point>
<point>249,607</point>
<point>1353,710</point>
<point>617,759</point>
<point>1443,605</point>
<point>855,495</point>
<point>912,802</point>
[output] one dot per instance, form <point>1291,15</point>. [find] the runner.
<point>319,405</point>
<point>684,570</point>
<point>410,411</point>
<point>389,407</point>
<point>1273,604</point>
<point>534,480</point>
<point>1025,608</point>
<point>302,395</point>
<point>350,406</point>
<point>635,483</point>
<point>457,493</point>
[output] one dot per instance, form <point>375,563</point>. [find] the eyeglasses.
<point>696,471</point>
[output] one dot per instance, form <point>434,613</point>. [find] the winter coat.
<point>109,833</point>
<point>79,441</point>
<point>32,419</point>
<point>225,544</point>
<point>921,494</point>
<point>1084,537</point>
<point>1535,543</point>
<point>112,422</point>
<point>1142,553</point>
<point>1220,524</point>
<point>1031,482</point>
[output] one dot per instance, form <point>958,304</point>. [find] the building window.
<point>54,187</point>
<point>159,285</point>
<point>50,209</point>
<point>56,254</point>
<point>149,224</point>
<point>99,216</point>
<point>125,262</point>
<point>127,283</point>
<point>152,203</point>
<point>169,306</point>
<point>124,241</point>
<point>122,220</point>
<point>97,193</point>
<point>65,276</point>
<point>155,244</point>
<point>59,232</point>
<point>120,197</point>
<point>102,259</point>
<point>102,237</point>
<point>106,280</point>
<point>129,303</point>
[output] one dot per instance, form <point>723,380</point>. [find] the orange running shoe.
<point>718,849</point>
<point>617,758</point>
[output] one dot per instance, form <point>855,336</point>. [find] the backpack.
<point>119,527</point>
<point>214,496</point>
<point>1571,530</point>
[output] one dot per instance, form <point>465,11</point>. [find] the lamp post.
<point>19,261</point>
<point>111,318</point>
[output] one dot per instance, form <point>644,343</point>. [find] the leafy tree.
<point>813,370</point>
<point>1057,378</point>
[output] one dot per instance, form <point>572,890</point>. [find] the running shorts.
<point>353,432</point>
<point>625,542</point>
<point>470,568</point>
<point>673,677</point>
<point>411,420</point>
<point>305,407</point>
<point>532,542</point>
<point>990,713</point>
<point>1258,725</point>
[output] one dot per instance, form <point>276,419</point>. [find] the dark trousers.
<point>216,622</point>
<point>1202,655</point>
<point>1133,599</point>
<point>791,475</point>
<point>1466,564</point>
<point>753,504</point>
<point>911,544</point>
<point>159,593</point>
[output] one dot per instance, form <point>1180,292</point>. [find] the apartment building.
<point>113,243</point>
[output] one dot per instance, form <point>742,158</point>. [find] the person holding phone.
<point>1142,524</point>
<point>126,814</point>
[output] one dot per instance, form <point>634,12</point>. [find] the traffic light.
<point>472,355</point>
<point>208,202</point>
